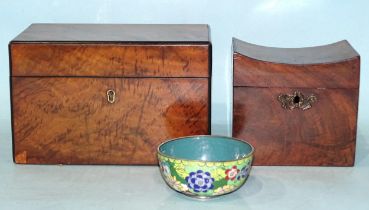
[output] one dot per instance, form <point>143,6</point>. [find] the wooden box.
<point>297,106</point>
<point>107,94</point>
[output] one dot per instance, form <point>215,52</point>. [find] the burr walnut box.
<point>107,94</point>
<point>297,106</point>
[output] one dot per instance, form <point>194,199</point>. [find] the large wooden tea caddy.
<point>107,94</point>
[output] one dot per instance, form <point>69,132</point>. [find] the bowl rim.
<point>205,161</point>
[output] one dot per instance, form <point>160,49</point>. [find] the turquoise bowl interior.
<point>206,148</point>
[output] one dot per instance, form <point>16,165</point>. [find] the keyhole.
<point>111,96</point>
<point>296,99</point>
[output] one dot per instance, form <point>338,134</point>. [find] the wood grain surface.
<point>133,33</point>
<point>258,73</point>
<point>110,60</point>
<point>70,121</point>
<point>324,54</point>
<point>323,135</point>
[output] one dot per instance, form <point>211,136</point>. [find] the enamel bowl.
<point>205,166</point>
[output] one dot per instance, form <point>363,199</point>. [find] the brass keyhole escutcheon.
<point>110,96</point>
<point>297,100</point>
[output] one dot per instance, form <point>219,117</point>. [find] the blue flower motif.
<point>200,181</point>
<point>243,173</point>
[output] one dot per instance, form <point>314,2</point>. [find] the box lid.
<point>112,50</point>
<point>335,65</point>
<point>152,33</point>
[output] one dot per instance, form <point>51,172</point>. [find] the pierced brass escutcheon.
<point>111,96</point>
<point>297,100</point>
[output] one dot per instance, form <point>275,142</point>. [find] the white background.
<point>277,23</point>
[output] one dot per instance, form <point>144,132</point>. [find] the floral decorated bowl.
<point>205,166</point>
